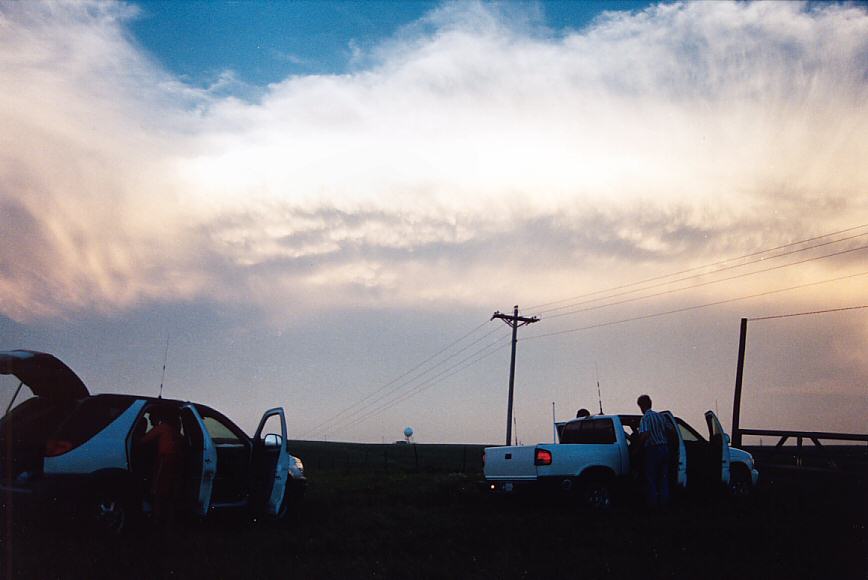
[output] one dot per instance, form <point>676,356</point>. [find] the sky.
<point>320,205</point>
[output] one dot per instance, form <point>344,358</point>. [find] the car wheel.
<point>109,512</point>
<point>597,495</point>
<point>740,484</point>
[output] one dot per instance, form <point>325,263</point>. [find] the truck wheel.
<point>596,495</point>
<point>292,496</point>
<point>740,485</point>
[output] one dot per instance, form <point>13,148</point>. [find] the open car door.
<point>720,445</point>
<point>271,461</point>
<point>681,478</point>
<point>201,461</point>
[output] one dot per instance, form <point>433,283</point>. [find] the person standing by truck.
<point>654,431</point>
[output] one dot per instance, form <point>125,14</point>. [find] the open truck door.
<point>675,437</point>
<point>719,444</point>
<point>271,461</point>
<point>201,461</point>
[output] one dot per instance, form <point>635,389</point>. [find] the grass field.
<point>371,513</point>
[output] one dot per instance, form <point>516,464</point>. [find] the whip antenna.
<point>165,358</point>
<point>599,396</point>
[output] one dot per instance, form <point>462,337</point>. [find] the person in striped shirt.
<point>654,433</point>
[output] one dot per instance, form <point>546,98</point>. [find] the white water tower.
<point>408,434</point>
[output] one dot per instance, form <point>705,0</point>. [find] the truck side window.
<point>589,432</point>
<point>688,434</point>
<point>220,433</point>
<point>221,430</point>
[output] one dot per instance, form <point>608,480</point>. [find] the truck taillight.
<point>55,447</point>
<point>542,457</point>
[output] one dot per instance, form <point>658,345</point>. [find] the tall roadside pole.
<point>739,375</point>
<point>514,321</point>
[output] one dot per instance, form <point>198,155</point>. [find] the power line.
<point>499,344</point>
<point>365,406</point>
<point>423,386</point>
<point>693,269</point>
<point>426,385</point>
<point>396,379</point>
<point>695,307</point>
<point>808,313</point>
<point>708,283</point>
<point>730,267</point>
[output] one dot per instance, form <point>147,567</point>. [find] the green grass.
<point>366,457</point>
<point>384,519</point>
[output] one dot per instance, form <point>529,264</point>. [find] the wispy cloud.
<point>471,146</point>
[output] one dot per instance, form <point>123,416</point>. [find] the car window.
<point>588,431</point>
<point>687,432</point>
<point>220,429</point>
<point>92,416</point>
<point>219,432</point>
<point>272,426</point>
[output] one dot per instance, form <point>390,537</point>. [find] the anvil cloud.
<point>470,137</point>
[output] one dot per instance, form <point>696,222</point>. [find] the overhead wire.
<point>499,344</point>
<point>363,407</point>
<point>695,268</point>
<point>811,313</point>
<point>396,379</point>
<point>730,267</point>
<point>694,307</point>
<point>425,384</point>
<point>707,283</point>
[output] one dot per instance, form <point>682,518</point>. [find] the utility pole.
<point>739,375</point>
<point>514,321</point>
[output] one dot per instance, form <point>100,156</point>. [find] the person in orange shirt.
<point>168,466</point>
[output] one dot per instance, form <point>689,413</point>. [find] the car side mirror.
<point>272,440</point>
<point>726,438</point>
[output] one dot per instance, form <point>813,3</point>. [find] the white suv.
<point>65,447</point>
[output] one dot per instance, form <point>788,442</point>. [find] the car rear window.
<point>589,431</point>
<point>92,416</point>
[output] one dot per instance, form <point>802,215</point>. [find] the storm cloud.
<point>470,136</point>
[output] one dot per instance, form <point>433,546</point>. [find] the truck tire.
<point>292,497</point>
<point>740,484</point>
<point>596,494</point>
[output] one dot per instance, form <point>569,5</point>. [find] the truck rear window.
<point>589,431</point>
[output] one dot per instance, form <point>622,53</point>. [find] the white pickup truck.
<point>596,454</point>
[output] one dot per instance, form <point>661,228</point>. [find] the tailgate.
<point>512,463</point>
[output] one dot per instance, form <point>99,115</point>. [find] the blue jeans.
<point>657,475</point>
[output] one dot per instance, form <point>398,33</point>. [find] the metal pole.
<point>739,375</point>
<point>554,425</point>
<point>511,377</point>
